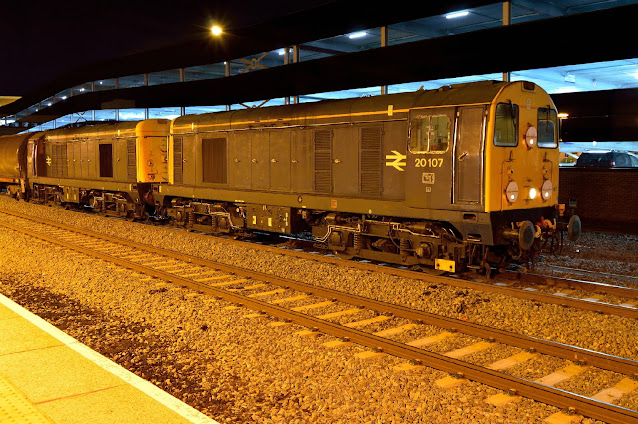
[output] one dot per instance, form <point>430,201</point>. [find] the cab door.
<point>428,165</point>
<point>468,155</point>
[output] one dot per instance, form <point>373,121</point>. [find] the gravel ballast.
<point>238,370</point>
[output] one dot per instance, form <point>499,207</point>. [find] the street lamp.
<point>216,30</point>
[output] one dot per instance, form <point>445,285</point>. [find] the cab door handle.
<point>462,157</point>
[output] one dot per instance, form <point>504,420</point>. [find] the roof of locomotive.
<point>342,110</point>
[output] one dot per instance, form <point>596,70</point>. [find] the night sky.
<point>44,39</point>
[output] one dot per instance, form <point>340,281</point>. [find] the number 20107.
<point>428,162</point>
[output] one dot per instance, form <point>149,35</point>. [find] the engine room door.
<point>468,155</point>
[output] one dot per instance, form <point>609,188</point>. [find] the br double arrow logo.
<point>398,160</point>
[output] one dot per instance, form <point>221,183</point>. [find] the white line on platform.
<point>139,383</point>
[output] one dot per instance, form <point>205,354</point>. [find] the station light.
<point>563,115</point>
<point>458,14</point>
<point>357,34</point>
<point>216,30</point>
<point>281,52</point>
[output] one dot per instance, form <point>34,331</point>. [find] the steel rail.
<point>559,350</point>
<point>589,272</point>
<point>584,304</point>
<point>589,286</point>
<point>539,392</point>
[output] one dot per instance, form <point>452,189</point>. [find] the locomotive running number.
<point>428,163</point>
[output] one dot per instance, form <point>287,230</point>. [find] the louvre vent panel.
<point>323,140</point>
<point>371,161</point>
<point>55,169</point>
<point>131,168</point>
<point>64,164</point>
<point>178,161</point>
<point>323,181</point>
<point>323,161</point>
<point>371,139</point>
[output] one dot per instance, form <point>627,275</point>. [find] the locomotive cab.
<point>522,156</point>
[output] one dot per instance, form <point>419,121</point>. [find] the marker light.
<point>216,30</point>
<point>546,190</point>
<point>357,34</point>
<point>532,193</point>
<point>511,192</point>
<point>530,137</point>
<point>459,14</point>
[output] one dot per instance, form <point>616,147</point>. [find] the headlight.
<point>530,137</point>
<point>546,190</point>
<point>532,193</point>
<point>511,192</point>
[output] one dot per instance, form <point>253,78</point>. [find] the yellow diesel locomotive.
<point>457,177</point>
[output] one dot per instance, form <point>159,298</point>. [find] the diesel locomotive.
<point>464,176</point>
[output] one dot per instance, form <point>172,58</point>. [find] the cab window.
<point>506,125</point>
<point>430,134</point>
<point>547,128</point>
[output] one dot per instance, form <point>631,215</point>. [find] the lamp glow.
<point>459,14</point>
<point>532,193</point>
<point>357,34</point>
<point>216,30</point>
<point>546,190</point>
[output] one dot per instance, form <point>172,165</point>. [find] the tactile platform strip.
<point>15,408</point>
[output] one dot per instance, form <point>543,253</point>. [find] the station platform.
<point>46,376</point>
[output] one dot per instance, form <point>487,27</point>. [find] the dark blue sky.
<point>44,39</point>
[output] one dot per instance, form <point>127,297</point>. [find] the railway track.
<point>589,273</point>
<point>249,288</point>
<point>522,285</point>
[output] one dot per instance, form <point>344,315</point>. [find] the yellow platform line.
<point>16,408</point>
<point>174,404</point>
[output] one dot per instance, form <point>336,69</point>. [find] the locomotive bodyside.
<point>416,178</point>
<point>462,176</point>
<point>110,167</point>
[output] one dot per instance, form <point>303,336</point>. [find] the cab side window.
<point>430,134</point>
<point>506,125</point>
<point>547,128</point>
